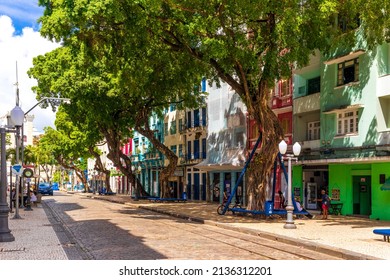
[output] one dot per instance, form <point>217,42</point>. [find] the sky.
<point>20,42</point>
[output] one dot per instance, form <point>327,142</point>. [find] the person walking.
<point>325,204</point>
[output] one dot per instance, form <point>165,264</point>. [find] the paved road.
<point>94,229</point>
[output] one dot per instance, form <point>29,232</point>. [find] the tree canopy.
<point>247,44</point>
<point>115,88</point>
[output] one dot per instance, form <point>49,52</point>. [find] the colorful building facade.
<point>226,143</point>
<point>341,106</point>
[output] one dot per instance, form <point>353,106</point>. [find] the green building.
<point>341,116</point>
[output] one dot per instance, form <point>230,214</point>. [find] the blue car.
<point>45,188</point>
<point>55,186</point>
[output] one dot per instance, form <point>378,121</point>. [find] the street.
<point>94,229</point>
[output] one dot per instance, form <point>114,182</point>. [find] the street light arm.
<point>44,99</point>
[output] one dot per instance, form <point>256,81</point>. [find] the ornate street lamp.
<point>17,117</point>
<point>290,208</point>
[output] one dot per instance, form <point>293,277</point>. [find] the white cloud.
<point>21,49</point>
<point>26,11</point>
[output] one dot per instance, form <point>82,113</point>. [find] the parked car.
<point>45,188</point>
<point>79,188</point>
<point>55,186</point>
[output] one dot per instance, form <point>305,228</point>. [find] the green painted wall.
<point>339,180</point>
<point>344,176</point>
<point>297,179</point>
<point>380,199</point>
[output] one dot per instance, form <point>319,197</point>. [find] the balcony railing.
<point>280,102</point>
<point>194,127</point>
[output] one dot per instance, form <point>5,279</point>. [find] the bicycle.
<point>221,207</point>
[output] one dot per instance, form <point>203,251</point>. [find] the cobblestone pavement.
<point>350,237</point>
<point>109,231</point>
<point>346,235</point>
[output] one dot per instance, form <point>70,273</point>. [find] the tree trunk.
<point>99,166</point>
<point>261,167</point>
<point>142,126</point>
<point>168,170</point>
<point>121,161</point>
<point>79,173</point>
<point>107,180</point>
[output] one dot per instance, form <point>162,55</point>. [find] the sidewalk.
<point>339,235</point>
<point>35,238</point>
<point>351,237</point>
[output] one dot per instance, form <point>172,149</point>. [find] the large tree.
<point>111,93</point>
<point>248,44</point>
<point>68,148</point>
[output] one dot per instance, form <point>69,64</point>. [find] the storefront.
<point>358,187</point>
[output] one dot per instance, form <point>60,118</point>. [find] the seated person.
<point>282,200</point>
<point>33,198</point>
<point>300,208</point>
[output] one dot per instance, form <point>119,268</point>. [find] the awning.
<point>345,57</point>
<point>343,108</point>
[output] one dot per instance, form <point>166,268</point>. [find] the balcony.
<point>307,104</point>
<point>383,86</point>
<point>192,158</point>
<point>193,127</point>
<point>281,102</point>
<point>311,145</point>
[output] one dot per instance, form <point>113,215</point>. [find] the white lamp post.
<point>290,208</point>
<point>17,119</point>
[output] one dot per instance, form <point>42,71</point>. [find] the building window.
<point>189,121</point>
<point>285,120</point>
<point>285,88</point>
<point>347,23</point>
<point>348,72</point>
<point>196,118</point>
<point>196,149</point>
<point>313,131</point>
<point>181,127</point>
<point>180,150</point>
<point>136,145</point>
<point>174,149</point>
<point>173,127</point>
<point>203,85</point>
<point>204,148</point>
<point>347,122</point>
<point>314,85</point>
<point>189,150</point>
<point>204,116</point>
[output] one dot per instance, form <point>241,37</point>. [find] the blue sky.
<point>20,42</point>
<point>24,13</point>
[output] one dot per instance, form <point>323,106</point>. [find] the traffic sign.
<point>28,173</point>
<point>17,169</point>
